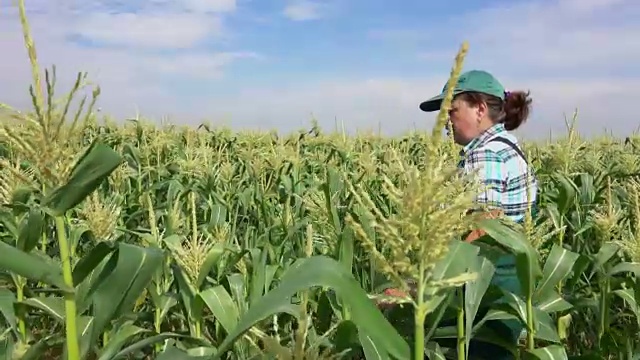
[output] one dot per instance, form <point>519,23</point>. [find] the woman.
<point>482,114</point>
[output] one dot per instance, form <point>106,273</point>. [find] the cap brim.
<point>432,104</point>
<point>435,102</point>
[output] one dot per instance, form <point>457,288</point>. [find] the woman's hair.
<point>512,112</point>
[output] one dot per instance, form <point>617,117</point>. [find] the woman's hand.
<point>478,233</point>
<point>395,293</point>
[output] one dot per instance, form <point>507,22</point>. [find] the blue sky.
<point>273,64</point>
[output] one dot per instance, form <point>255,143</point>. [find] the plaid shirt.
<point>503,171</point>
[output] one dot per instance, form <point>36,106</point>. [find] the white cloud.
<point>361,104</point>
<point>303,10</point>
<point>218,6</point>
<point>555,36</point>
<point>200,65</point>
<point>400,35</point>
<point>175,31</point>
<point>129,74</point>
<point>209,6</point>
<point>161,24</point>
<point>588,6</point>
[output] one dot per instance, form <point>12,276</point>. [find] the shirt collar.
<point>483,138</point>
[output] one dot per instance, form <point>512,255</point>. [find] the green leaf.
<point>273,347</point>
<point>567,192</point>
<point>8,349</point>
<point>434,352</point>
<point>346,248</point>
<point>258,274</point>
<point>583,262</point>
<point>173,353</point>
<point>629,298</point>
<point>117,292</point>
<point>345,338</point>
<point>77,232</point>
<point>606,252</point>
<point>221,305</point>
<point>514,305</point>
<point>454,264</point>
<point>186,292</point>
<point>451,266</point>
<point>165,303</point>
<point>146,342</point>
<point>32,230</point>
<point>325,272</point>
<point>490,336</point>
<point>631,267</point>
<point>94,166</point>
<point>85,289</point>
<point>553,303</point>
<point>545,327</point>
<point>371,351</point>
<point>8,222</point>
<point>37,351</point>
<point>330,188</point>
<point>90,261</point>
<point>218,216</point>
<point>494,314</point>
<point>557,267</point>
<point>212,258</point>
<point>119,337</point>
<point>30,266</point>
<point>553,352</point>
<point>527,261</point>
<point>54,306</point>
<point>7,299</point>
<point>475,290</point>
<point>132,156</point>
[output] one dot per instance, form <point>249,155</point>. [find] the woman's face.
<point>465,120</point>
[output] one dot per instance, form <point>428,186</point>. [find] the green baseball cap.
<point>473,80</point>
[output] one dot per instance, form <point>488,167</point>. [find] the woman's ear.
<point>481,111</point>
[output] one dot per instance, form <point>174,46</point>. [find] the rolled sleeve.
<point>490,168</point>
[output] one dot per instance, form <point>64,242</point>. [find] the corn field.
<point>142,241</point>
